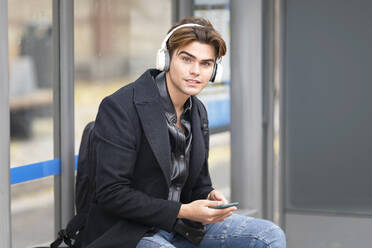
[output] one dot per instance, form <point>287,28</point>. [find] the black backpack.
<point>84,192</point>
<point>85,183</point>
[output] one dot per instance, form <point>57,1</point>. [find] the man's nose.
<point>195,68</point>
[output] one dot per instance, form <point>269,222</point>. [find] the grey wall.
<point>327,117</point>
<point>320,231</point>
<point>328,105</point>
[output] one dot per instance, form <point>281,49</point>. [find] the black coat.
<point>133,167</point>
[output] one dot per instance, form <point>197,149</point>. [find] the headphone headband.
<point>164,43</point>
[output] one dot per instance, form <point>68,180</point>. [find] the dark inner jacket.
<point>133,161</point>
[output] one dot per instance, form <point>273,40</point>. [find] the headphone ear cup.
<point>217,73</point>
<point>166,60</point>
<point>213,76</point>
<point>162,60</point>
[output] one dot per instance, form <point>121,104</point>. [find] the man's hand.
<point>201,211</point>
<point>216,195</point>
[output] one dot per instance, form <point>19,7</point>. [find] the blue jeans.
<point>237,231</point>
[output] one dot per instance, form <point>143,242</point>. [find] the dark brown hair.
<point>206,34</point>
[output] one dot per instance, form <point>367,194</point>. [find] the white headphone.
<point>163,58</point>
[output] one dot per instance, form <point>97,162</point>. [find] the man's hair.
<point>206,34</point>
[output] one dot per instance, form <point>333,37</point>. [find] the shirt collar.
<point>188,105</point>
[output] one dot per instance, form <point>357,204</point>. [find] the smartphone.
<point>231,204</point>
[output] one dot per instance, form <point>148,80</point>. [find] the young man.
<point>153,187</point>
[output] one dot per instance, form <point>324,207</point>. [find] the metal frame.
<point>56,113</point>
<point>246,105</point>
<point>63,27</point>
<point>280,20</point>
<point>268,156</point>
<point>181,9</point>
<point>5,227</point>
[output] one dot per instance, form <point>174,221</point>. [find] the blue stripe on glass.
<point>34,171</point>
<point>39,170</point>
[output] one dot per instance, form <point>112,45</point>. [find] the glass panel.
<point>31,99</point>
<point>115,42</point>
<point>216,97</point>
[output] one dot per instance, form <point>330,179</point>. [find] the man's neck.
<point>178,99</point>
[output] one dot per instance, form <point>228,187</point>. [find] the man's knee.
<point>265,232</point>
<point>153,242</point>
<point>272,234</point>
<point>150,244</point>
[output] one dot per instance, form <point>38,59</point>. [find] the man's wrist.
<point>183,211</point>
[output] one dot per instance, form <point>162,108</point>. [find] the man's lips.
<point>192,81</point>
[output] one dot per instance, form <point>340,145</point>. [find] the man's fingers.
<point>233,208</point>
<point>213,203</point>
<point>217,195</point>
<point>217,213</point>
<point>227,215</point>
<point>220,218</point>
<point>203,211</point>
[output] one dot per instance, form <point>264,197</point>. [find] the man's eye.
<point>186,59</point>
<point>206,64</point>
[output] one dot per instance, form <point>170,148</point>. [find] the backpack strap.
<point>70,234</point>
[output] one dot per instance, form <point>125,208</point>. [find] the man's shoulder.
<point>198,104</point>
<point>196,100</point>
<point>122,94</point>
<point>141,88</point>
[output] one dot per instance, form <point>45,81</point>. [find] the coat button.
<point>187,234</point>
<point>182,156</point>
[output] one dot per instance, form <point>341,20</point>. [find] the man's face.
<point>190,69</point>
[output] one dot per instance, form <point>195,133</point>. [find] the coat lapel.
<point>148,105</point>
